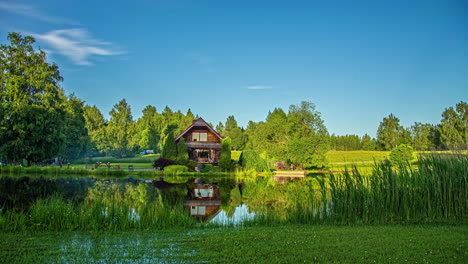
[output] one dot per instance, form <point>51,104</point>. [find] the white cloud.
<point>76,44</point>
<point>30,11</point>
<point>259,87</point>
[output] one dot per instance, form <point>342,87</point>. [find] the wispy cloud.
<point>76,44</point>
<point>259,87</point>
<point>32,12</point>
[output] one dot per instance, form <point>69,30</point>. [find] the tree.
<point>462,109</point>
<point>368,143</point>
<point>119,128</point>
<point>299,137</point>
<point>32,120</point>
<point>146,135</point>
<point>225,162</point>
<point>77,140</point>
<point>96,127</point>
<point>452,129</point>
<point>420,134</point>
<point>390,133</point>
<point>169,149</point>
<point>182,152</point>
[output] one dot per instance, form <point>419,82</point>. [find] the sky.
<point>357,61</point>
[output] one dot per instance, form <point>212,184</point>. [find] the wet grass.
<point>276,244</point>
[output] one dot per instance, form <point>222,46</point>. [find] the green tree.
<point>249,159</point>
<point>182,152</point>
<point>299,137</point>
<point>96,127</point>
<point>390,133</point>
<point>225,162</point>
<point>77,140</point>
<point>31,117</point>
<point>169,149</point>
<point>420,134</point>
<point>120,128</point>
<point>368,143</point>
<point>462,109</point>
<point>452,130</point>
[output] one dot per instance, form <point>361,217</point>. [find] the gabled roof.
<point>199,123</point>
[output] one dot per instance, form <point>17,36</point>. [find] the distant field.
<point>349,157</point>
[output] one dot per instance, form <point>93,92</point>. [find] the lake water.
<point>223,201</point>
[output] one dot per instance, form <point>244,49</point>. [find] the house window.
<point>199,136</point>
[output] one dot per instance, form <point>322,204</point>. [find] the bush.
<point>250,160</point>
<point>162,163</point>
<point>401,155</point>
<point>210,168</point>
<point>175,169</point>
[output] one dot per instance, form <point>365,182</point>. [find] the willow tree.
<point>32,120</point>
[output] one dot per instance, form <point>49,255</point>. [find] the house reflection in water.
<point>204,201</point>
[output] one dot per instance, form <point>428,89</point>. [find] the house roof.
<point>198,123</point>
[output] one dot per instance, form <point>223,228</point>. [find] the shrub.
<point>162,163</point>
<point>401,155</point>
<point>250,160</point>
<point>175,169</point>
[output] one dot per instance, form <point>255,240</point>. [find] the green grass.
<point>139,159</point>
<point>350,157</point>
<point>275,244</point>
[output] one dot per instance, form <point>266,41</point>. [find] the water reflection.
<point>214,200</point>
<point>204,201</point>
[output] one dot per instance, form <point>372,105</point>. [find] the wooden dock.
<point>290,174</point>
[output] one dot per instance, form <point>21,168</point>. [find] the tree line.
<point>39,122</point>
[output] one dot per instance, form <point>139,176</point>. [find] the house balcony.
<point>203,145</point>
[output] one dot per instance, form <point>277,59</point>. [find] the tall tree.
<point>96,126</point>
<point>119,128</point>
<point>452,131</point>
<point>169,149</point>
<point>31,117</point>
<point>462,109</point>
<point>299,137</point>
<point>390,133</point>
<point>76,135</point>
<point>182,152</point>
<point>420,134</point>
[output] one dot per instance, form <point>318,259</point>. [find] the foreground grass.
<point>275,244</point>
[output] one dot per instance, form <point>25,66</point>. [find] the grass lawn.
<point>277,244</point>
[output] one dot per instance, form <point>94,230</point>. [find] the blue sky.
<point>358,61</point>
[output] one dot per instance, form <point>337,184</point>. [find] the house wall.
<point>210,136</point>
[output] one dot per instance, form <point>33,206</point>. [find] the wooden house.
<point>203,142</point>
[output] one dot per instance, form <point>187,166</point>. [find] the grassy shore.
<point>274,244</point>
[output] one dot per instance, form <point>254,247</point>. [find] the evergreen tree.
<point>120,128</point>
<point>169,149</point>
<point>182,152</point>
<point>96,127</point>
